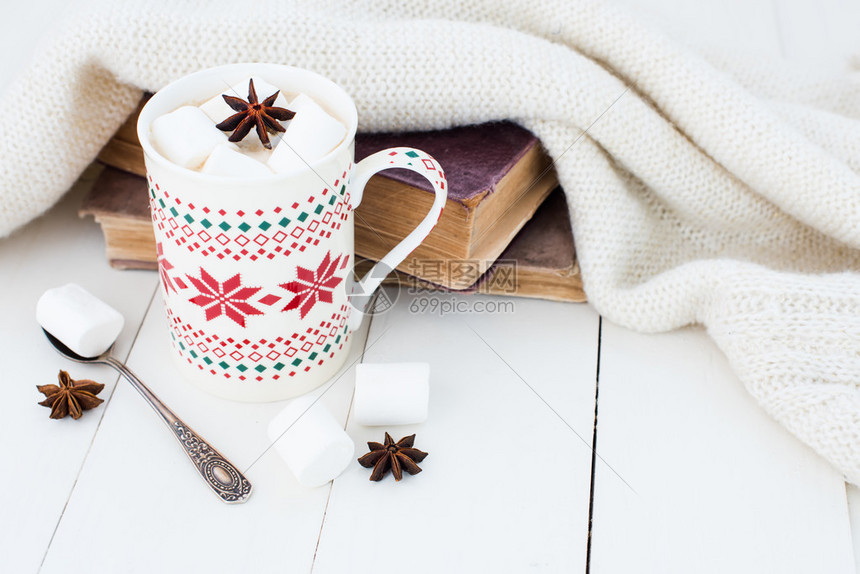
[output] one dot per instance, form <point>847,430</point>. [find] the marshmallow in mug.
<point>312,133</point>
<point>228,160</point>
<point>218,110</point>
<point>188,137</point>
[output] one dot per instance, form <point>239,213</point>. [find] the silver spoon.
<point>218,472</point>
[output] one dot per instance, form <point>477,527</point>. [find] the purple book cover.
<point>474,157</point>
<point>546,240</point>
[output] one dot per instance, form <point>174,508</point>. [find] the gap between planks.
<point>345,423</point>
<point>99,425</point>
<point>593,448</point>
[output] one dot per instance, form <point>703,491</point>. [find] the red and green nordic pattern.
<point>217,300</point>
<point>428,166</point>
<point>254,359</point>
<point>231,300</point>
<point>237,235</point>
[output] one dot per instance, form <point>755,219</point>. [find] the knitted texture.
<point>702,189</point>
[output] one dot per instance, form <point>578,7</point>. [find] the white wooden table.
<point>558,441</point>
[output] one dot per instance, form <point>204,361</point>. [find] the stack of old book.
<point>505,228</point>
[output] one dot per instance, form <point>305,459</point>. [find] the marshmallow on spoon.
<point>311,442</point>
<point>186,136</point>
<point>391,393</point>
<point>227,160</point>
<point>218,110</point>
<point>310,135</point>
<point>82,322</point>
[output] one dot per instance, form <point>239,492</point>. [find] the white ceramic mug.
<point>256,272</point>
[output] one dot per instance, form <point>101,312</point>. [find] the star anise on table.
<point>70,397</point>
<point>396,456</point>
<point>253,113</point>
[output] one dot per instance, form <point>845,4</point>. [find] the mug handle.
<point>407,158</point>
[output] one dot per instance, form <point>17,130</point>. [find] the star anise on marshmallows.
<point>253,113</point>
<point>396,456</point>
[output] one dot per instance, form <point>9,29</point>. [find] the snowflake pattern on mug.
<point>312,286</point>
<point>229,298</point>
<point>163,267</point>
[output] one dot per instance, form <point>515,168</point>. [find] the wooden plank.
<point>144,507</point>
<point>505,487</point>
<point>853,493</point>
<point>42,457</point>
<point>717,485</point>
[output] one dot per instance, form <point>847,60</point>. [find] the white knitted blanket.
<point>702,191</point>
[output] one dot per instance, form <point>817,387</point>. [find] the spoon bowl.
<point>62,349</point>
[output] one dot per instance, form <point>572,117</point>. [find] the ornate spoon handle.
<point>220,474</point>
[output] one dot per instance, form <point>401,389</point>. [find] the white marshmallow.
<point>252,147</point>
<point>186,136</point>
<point>85,324</point>
<point>311,442</point>
<point>310,135</point>
<point>218,110</point>
<point>260,153</point>
<point>227,160</point>
<point>391,393</point>
<point>301,101</point>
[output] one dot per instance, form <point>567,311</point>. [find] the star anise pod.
<point>397,456</point>
<point>71,397</point>
<point>253,113</point>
